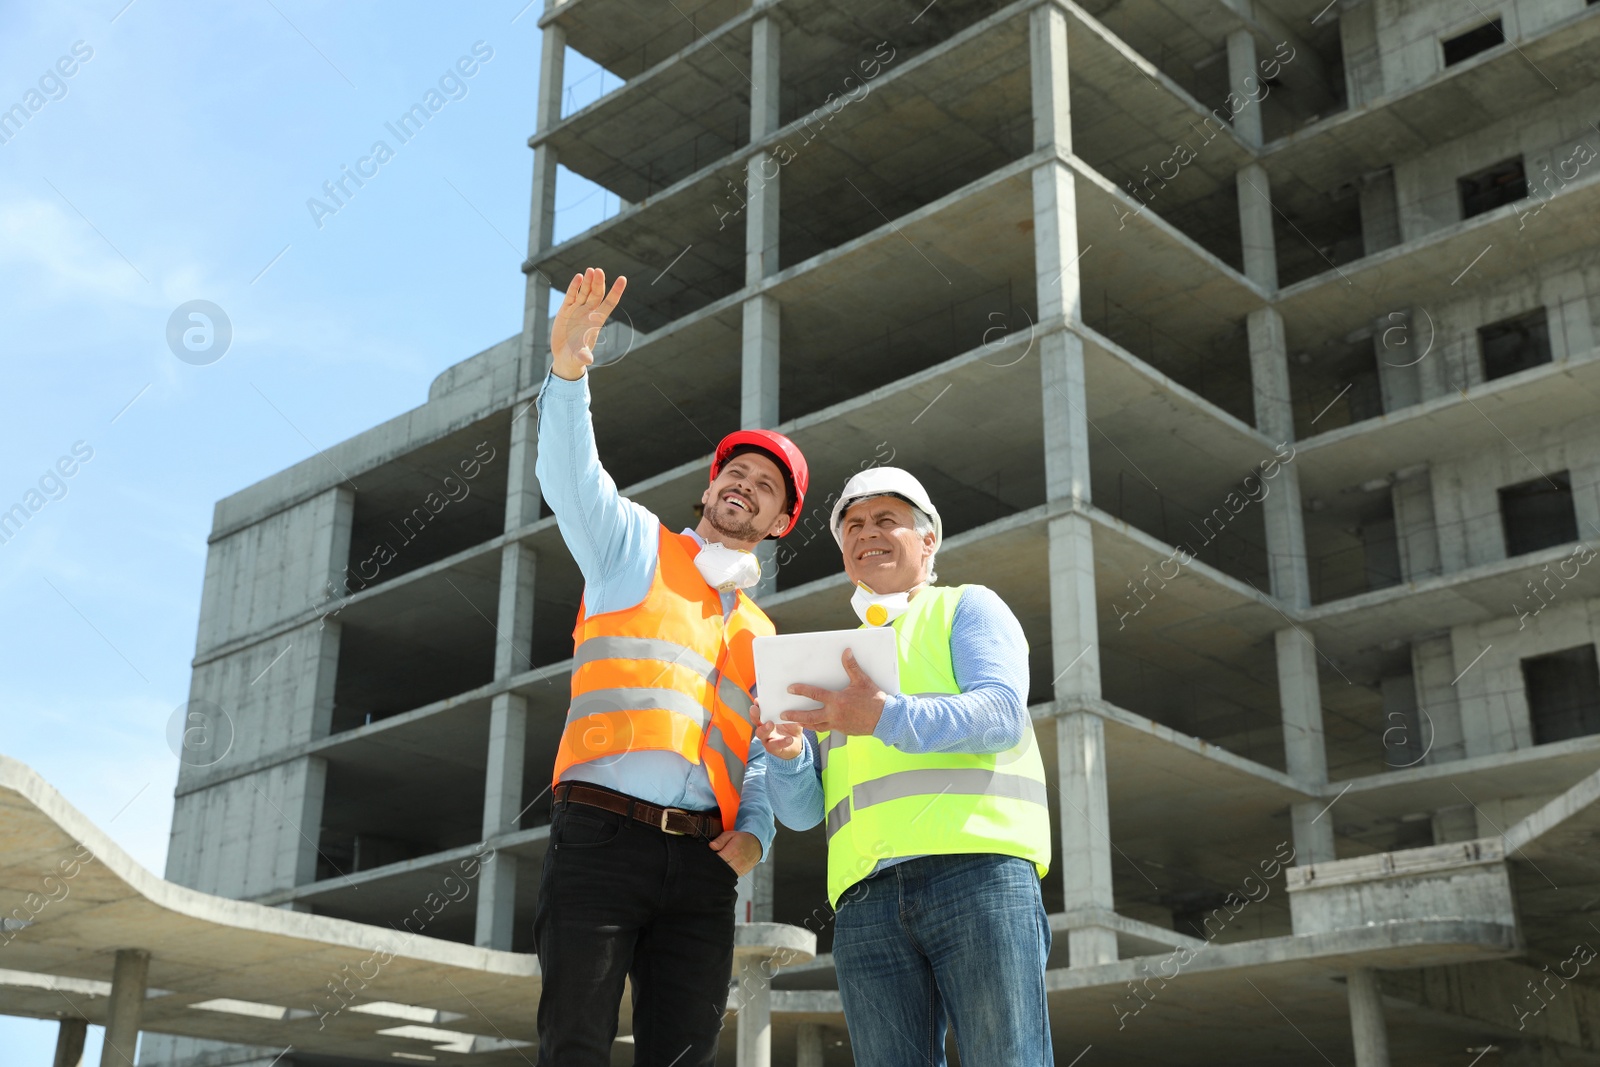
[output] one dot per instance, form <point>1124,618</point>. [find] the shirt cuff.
<point>895,722</point>
<point>762,824</point>
<point>801,764</point>
<point>560,388</point>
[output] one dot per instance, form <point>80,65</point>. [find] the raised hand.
<point>577,325</point>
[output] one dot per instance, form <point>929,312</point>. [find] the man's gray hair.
<point>922,522</point>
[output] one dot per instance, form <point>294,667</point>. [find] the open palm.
<point>577,325</point>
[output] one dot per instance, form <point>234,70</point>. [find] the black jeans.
<point>620,899</point>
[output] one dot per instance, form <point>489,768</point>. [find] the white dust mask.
<point>879,609</point>
<point>726,569</point>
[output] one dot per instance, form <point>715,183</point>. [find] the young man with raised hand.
<point>660,804</point>
<point>938,826</point>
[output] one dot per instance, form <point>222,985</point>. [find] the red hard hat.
<point>781,449</point>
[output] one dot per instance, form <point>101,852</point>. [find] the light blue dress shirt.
<point>614,542</point>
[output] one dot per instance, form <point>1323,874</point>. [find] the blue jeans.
<point>958,936</point>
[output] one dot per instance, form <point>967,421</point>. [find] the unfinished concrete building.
<point>1248,348</point>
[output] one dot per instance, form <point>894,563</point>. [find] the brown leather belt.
<point>673,821</point>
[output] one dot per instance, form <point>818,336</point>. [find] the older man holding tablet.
<point>937,821</point>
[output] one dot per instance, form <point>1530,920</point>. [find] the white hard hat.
<point>885,481</point>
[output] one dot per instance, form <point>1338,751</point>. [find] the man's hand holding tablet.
<point>851,710</point>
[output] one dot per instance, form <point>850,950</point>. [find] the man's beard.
<point>724,519</point>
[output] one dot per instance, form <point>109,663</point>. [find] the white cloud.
<point>48,247</point>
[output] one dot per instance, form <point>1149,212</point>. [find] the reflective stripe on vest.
<point>827,744</point>
<point>962,781</point>
<point>601,701</point>
<point>737,699</point>
<point>838,816</point>
<point>649,648</point>
<point>883,803</point>
<point>734,766</point>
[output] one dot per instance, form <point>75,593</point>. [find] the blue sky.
<point>175,164</point>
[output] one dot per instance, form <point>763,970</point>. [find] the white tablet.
<point>815,659</point>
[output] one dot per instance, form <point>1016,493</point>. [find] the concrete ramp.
<point>231,970</point>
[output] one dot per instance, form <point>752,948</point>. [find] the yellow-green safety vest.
<point>882,803</point>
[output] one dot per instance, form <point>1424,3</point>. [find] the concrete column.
<point>762,169</point>
<point>758,403</point>
<point>1074,627</point>
<point>497,881</point>
<point>69,1042</point>
<point>303,783</point>
<point>1055,243</point>
<point>335,542</point>
<point>129,978</point>
<point>1066,417</point>
<point>758,400</point>
<point>533,351</point>
<point>1305,751</point>
<point>753,903</point>
<point>1396,357</point>
<point>1298,691</point>
<point>1062,379</point>
<point>1358,41</point>
<point>1366,1019</point>
<point>522,487</point>
<point>758,383</point>
<point>755,1014</point>
<point>1380,211</point>
<point>1085,861</point>
<point>1255,226</point>
<point>1572,334</point>
<point>1242,65</point>
<point>508,712</point>
<point>514,627</point>
<point>1415,529</point>
<point>764,77</point>
<point>1047,53</point>
<point>761,226</point>
<point>1433,373</point>
<point>1281,510</point>
<point>325,650</point>
<point>808,1045</point>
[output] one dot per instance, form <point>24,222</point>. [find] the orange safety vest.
<point>667,674</point>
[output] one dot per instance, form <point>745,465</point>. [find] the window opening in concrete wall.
<point>1538,513</point>
<point>1515,344</point>
<point>1563,694</point>
<point>432,502</point>
<point>1487,189</point>
<point>1466,45</point>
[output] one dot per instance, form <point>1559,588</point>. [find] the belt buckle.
<point>665,829</point>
